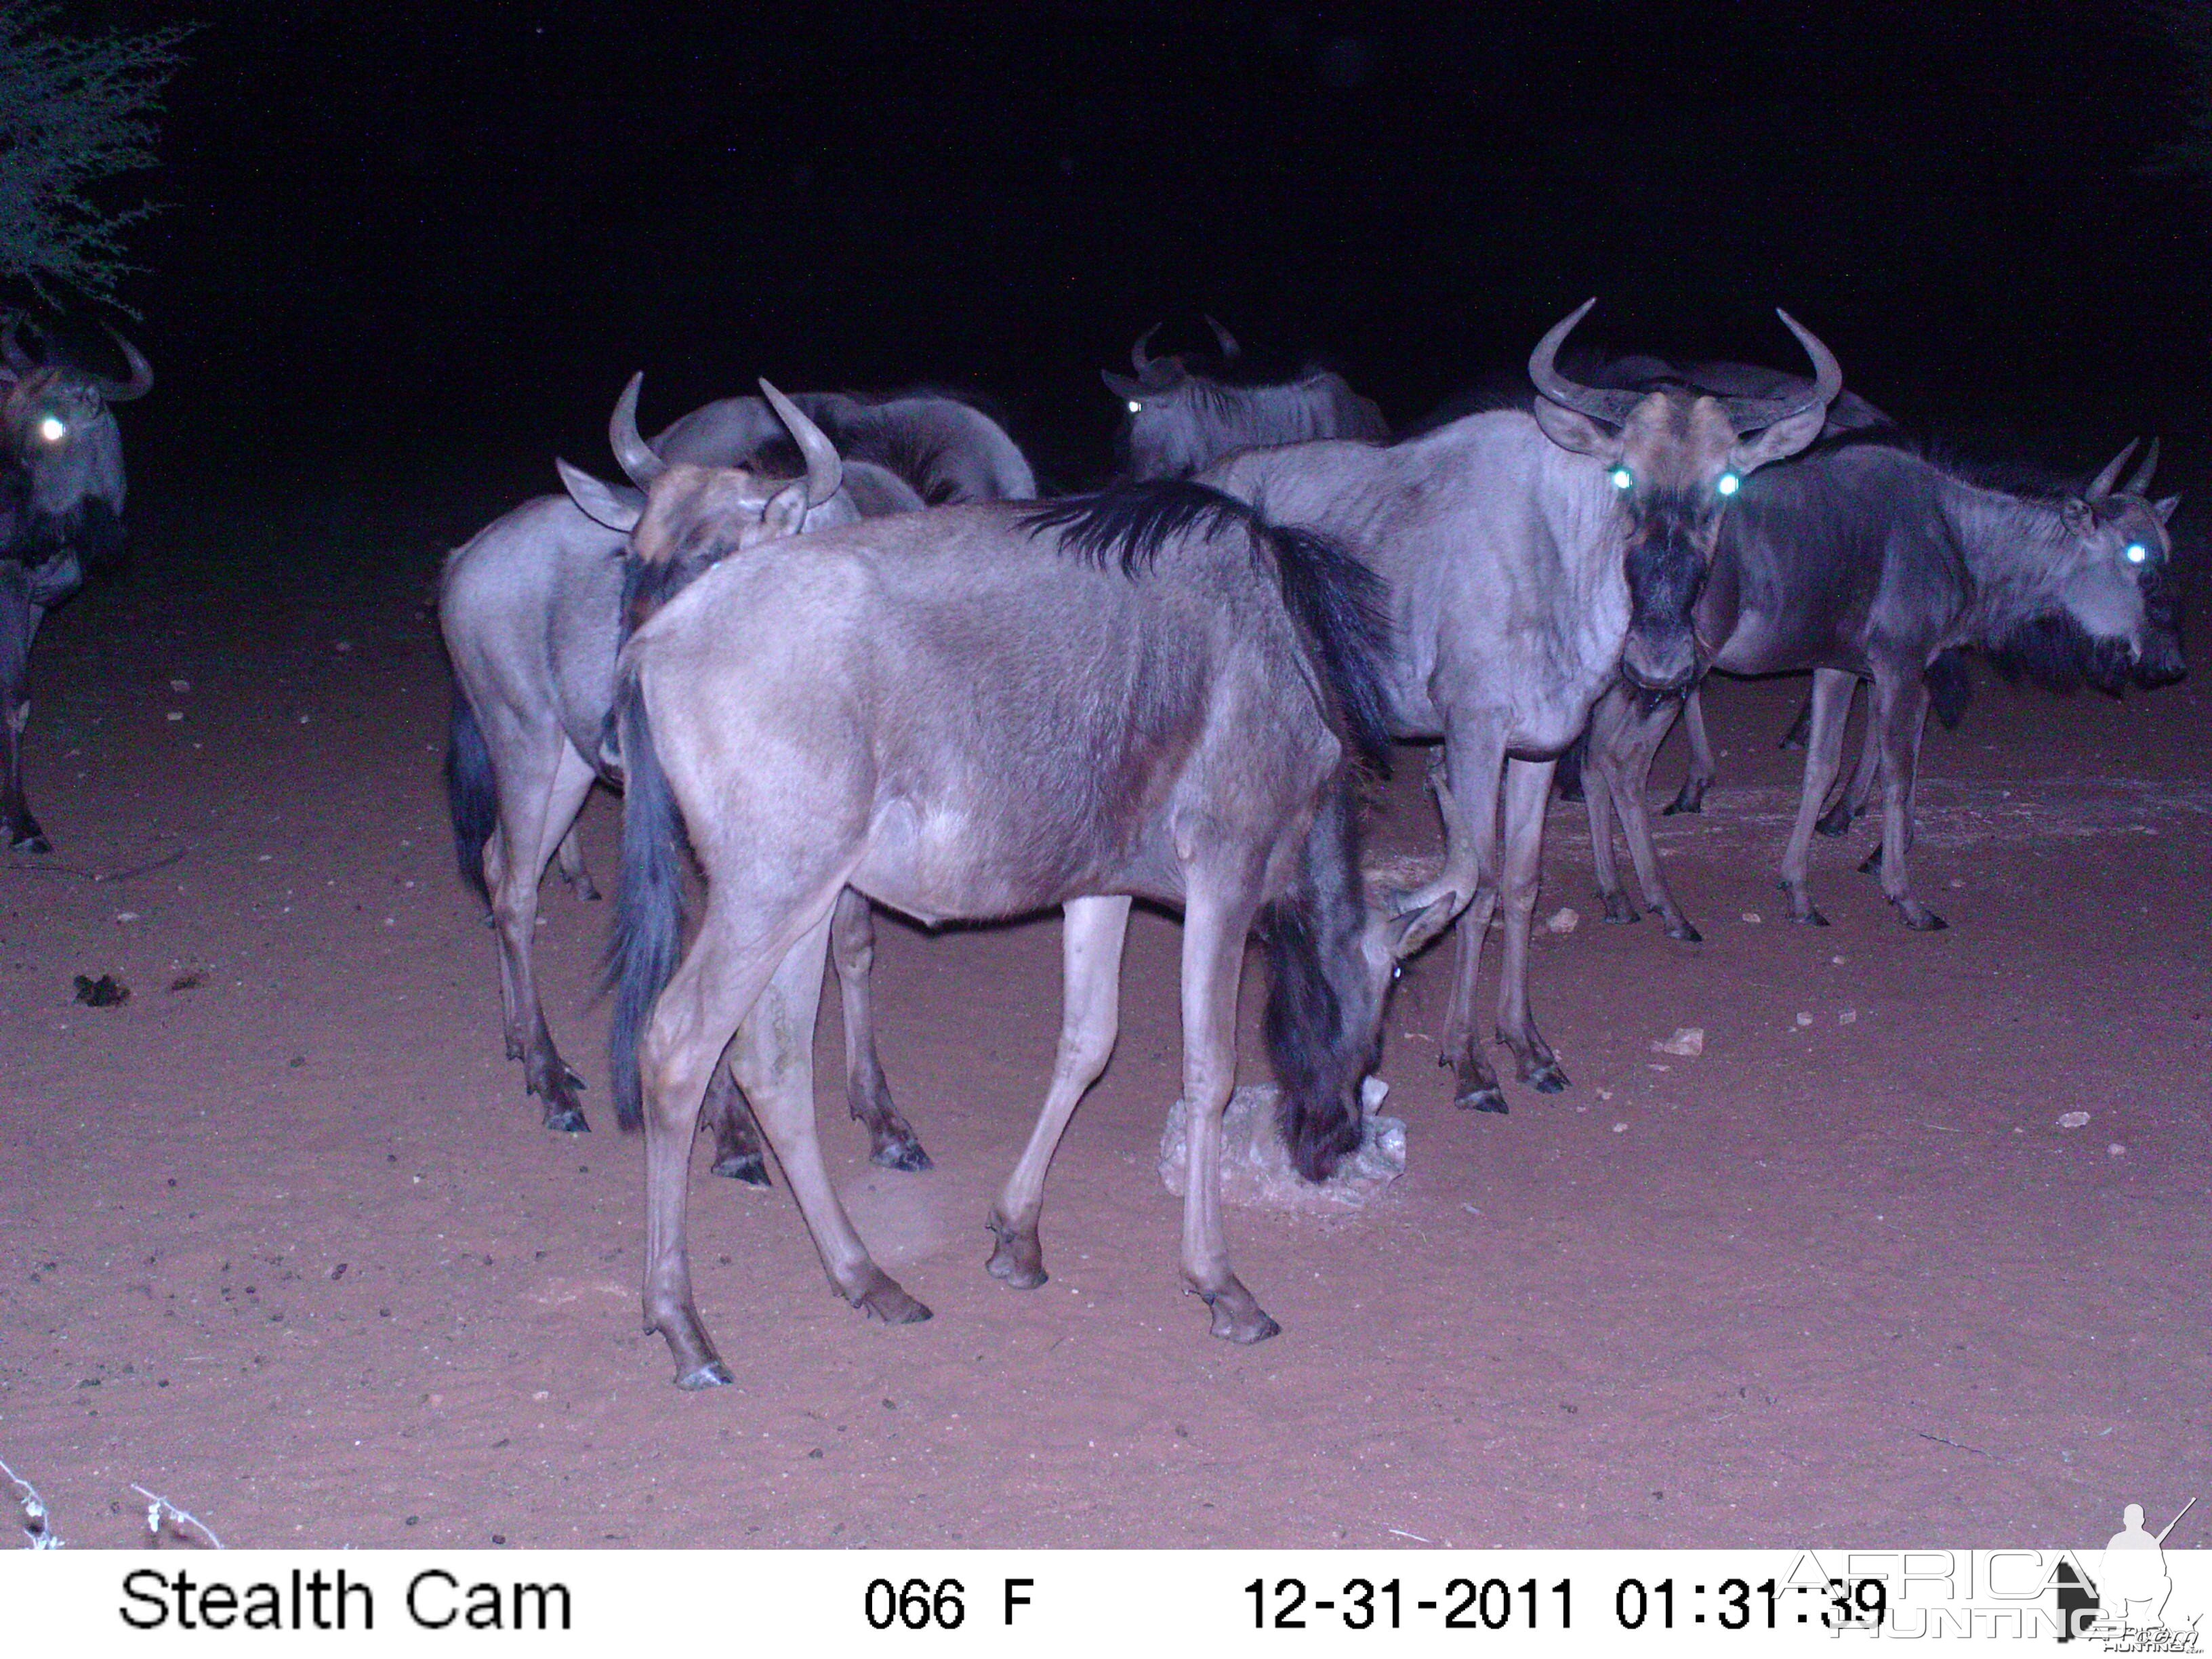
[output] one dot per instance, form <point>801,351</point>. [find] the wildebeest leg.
<point>1629,774</point>
<point>535,807</point>
<point>1528,788</point>
<point>892,1141</point>
<point>1691,796</point>
<point>1831,704</point>
<point>1469,801</point>
<point>1091,951</point>
<point>1900,709</point>
<point>1850,803</point>
<point>774,1056</point>
<point>1607,721</point>
<point>572,868</point>
<point>1213,931</point>
<point>1801,729</point>
<point>19,622</point>
<point>736,1140</point>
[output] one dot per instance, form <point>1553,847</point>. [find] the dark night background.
<point>440,237</point>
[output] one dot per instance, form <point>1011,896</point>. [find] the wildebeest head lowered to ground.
<point>982,712</point>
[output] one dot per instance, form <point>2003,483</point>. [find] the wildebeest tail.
<point>1567,777</point>
<point>648,939</point>
<point>1950,687</point>
<point>471,794</point>
<point>1323,1021</point>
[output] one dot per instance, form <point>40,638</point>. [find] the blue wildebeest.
<point>61,516</point>
<point>1532,558</point>
<point>1863,560</point>
<point>1180,420</point>
<point>532,612</point>
<point>983,712</point>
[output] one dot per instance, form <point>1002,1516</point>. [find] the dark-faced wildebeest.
<point>1848,412</point>
<point>61,515</point>
<point>1180,420</point>
<point>1863,560</point>
<point>977,713</point>
<point>1532,558</point>
<point>532,612</point>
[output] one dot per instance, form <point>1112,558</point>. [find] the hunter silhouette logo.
<point>2123,1609</point>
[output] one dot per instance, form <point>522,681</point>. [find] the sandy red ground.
<point>281,1238</point>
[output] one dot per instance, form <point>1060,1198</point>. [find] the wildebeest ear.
<point>1577,432</point>
<point>1406,934</point>
<point>1784,438</point>
<point>615,507</point>
<point>1122,386</point>
<point>2165,508</point>
<point>786,512</point>
<point>2078,515</point>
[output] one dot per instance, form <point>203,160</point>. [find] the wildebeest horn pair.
<point>825,470</point>
<point>1141,358</point>
<point>111,391</point>
<point>1613,407</point>
<point>2101,486</point>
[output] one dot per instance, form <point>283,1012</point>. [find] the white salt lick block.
<point>1255,1166</point>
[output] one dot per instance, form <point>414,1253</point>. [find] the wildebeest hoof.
<point>1810,917</point>
<point>882,1298</point>
<point>748,1167</point>
<point>569,1072</point>
<point>1689,800</point>
<point>711,1374</point>
<point>1680,931</point>
<point>905,1153</point>
<point>1836,822</point>
<point>567,1120</point>
<point>1019,1259</point>
<point>1618,908</point>
<point>1872,861</point>
<point>1919,918</point>
<point>34,843</point>
<point>1483,1097</point>
<point>1546,1078</point>
<point>1237,1316</point>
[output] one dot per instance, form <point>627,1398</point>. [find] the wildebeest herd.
<point>835,652</point>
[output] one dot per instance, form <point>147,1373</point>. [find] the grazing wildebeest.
<point>1181,420</point>
<point>532,611</point>
<point>1863,560</point>
<point>1533,557</point>
<point>982,712</point>
<point>61,516</point>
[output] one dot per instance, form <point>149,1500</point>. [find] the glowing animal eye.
<point>52,430</point>
<point>1729,483</point>
<point>2137,553</point>
<point>1135,408</point>
<point>1623,478</point>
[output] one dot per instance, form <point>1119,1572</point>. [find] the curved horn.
<point>1754,414</point>
<point>1610,406</point>
<point>18,359</point>
<point>2102,485</point>
<point>1140,357</point>
<point>1229,349</point>
<point>639,463</point>
<point>825,470</point>
<point>2140,484</point>
<point>142,374</point>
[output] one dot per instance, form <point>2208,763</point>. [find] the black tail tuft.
<point>1324,1012</point>
<point>648,937</point>
<point>471,794</point>
<point>1345,609</point>
<point>1950,687</point>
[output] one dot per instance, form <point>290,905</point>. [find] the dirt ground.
<point>281,1238</point>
